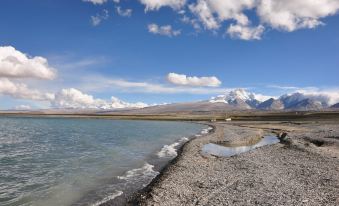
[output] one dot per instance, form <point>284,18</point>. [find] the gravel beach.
<point>303,169</point>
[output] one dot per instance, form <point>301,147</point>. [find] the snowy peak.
<point>239,98</point>
<point>242,99</point>
<point>234,95</point>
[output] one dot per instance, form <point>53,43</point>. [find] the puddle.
<point>223,151</point>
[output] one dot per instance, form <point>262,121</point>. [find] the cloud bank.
<point>182,79</point>
<point>21,91</point>
<point>15,65</point>
<point>75,99</point>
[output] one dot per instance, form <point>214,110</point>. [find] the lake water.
<point>62,161</point>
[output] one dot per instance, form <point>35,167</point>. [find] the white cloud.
<point>21,91</point>
<point>22,107</point>
<point>157,4</point>
<point>15,64</point>
<point>213,12</point>
<point>97,2</point>
<point>99,83</point>
<point>287,15</point>
<point>73,98</point>
<point>331,94</point>
<point>205,14</point>
<point>182,79</point>
<point>262,97</point>
<point>98,18</point>
<point>191,21</point>
<point>166,30</point>
<point>290,15</point>
<point>245,32</point>
<point>283,87</point>
<point>125,13</point>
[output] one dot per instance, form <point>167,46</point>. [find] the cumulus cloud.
<point>205,14</point>
<point>287,15</point>
<point>98,18</point>
<point>124,13</point>
<point>182,79</point>
<point>166,30</point>
<point>75,99</point>
<point>213,12</point>
<point>15,64</point>
<point>290,15</point>
<point>21,91</point>
<point>157,4</point>
<point>97,2</point>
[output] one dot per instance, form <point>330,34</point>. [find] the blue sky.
<point>90,57</point>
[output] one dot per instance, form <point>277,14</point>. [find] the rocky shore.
<point>303,169</point>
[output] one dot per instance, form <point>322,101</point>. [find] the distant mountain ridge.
<point>241,99</point>
<point>234,100</point>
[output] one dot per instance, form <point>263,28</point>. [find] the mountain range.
<point>240,99</point>
<point>233,100</point>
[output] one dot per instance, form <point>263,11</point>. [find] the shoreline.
<point>130,198</point>
<point>137,197</point>
<point>217,180</point>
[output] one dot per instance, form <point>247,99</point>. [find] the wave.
<point>108,198</point>
<point>145,171</point>
<point>206,131</point>
<point>170,150</point>
<point>142,176</point>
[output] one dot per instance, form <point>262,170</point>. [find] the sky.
<point>90,53</point>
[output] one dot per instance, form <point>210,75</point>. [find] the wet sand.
<point>303,169</point>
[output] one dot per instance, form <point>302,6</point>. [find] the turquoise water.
<point>61,161</point>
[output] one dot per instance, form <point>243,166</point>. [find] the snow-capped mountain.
<point>238,98</point>
<point>242,99</point>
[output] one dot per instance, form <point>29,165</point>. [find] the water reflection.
<point>222,151</point>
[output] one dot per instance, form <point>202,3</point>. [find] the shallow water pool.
<point>224,151</point>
